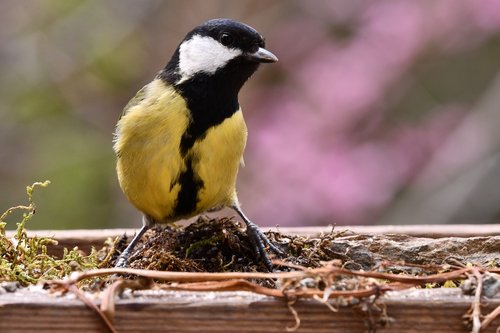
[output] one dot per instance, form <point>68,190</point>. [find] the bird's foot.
<point>122,261</point>
<point>259,242</point>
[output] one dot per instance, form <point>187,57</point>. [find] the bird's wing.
<point>137,99</point>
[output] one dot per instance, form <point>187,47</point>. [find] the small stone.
<point>9,286</point>
<point>491,284</point>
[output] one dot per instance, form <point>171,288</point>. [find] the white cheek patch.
<point>203,54</point>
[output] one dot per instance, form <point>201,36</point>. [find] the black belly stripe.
<point>208,108</point>
<point>188,139</point>
<point>188,194</point>
<point>210,98</point>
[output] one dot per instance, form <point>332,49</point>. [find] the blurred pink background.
<point>379,112</point>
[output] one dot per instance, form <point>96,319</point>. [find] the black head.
<point>208,69</point>
<point>221,49</point>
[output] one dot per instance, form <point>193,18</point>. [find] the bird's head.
<point>219,49</point>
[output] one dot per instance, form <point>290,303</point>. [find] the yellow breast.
<point>218,158</point>
<point>149,160</point>
<point>147,143</point>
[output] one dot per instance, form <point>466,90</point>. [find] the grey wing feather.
<point>137,99</point>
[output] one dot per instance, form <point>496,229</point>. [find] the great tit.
<point>180,141</point>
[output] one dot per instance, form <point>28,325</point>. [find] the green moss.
<point>25,259</point>
<point>449,284</point>
<point>212,241</point>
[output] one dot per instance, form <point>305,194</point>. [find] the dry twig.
<point>294,284</point>
<point>81,296</point>
<point>489,318</point>
<point>476,305</point>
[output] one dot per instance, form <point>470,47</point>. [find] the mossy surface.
<point>25,259</point>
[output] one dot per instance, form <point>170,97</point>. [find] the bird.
<point>179,142</point>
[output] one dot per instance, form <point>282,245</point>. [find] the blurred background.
<point>378,112</point>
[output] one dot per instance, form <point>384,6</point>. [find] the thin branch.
<point>489,318</point>
<point>292,285</point>
<point>295,316</point>
<point>243,285</point>
<point>74,289</point>
<point>203,276</point>
<point>108,296</point>
<point>476,304</point>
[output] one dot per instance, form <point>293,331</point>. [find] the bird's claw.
<point>259,242</point>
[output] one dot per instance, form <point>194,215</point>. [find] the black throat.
<point>211,98</point>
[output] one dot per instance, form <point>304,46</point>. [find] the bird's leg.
<point>258,239</point>
<point>122,260</point>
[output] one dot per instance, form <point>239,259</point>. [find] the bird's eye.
<point>226,39</point>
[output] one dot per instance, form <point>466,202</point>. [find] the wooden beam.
<point>416,310</point>
<point>85,238</point>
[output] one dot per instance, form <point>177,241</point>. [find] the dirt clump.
<point>221,245</point>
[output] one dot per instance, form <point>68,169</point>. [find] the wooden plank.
<point>437,310</point>
<point>423,230</point>
<point>86,238</point>
<point>417,310</point>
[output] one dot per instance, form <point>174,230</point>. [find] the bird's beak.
<point>262,55</point>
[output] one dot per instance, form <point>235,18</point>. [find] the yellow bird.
<point>180,140</point>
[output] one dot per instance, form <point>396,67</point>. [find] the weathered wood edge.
<point>416,310</point>
<point>423,230</point>
<point>87,238</point>
<point>438,310</point>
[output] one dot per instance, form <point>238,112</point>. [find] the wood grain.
<point>438,310</point>
<point>85,238</point>
<point>416,310</point>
